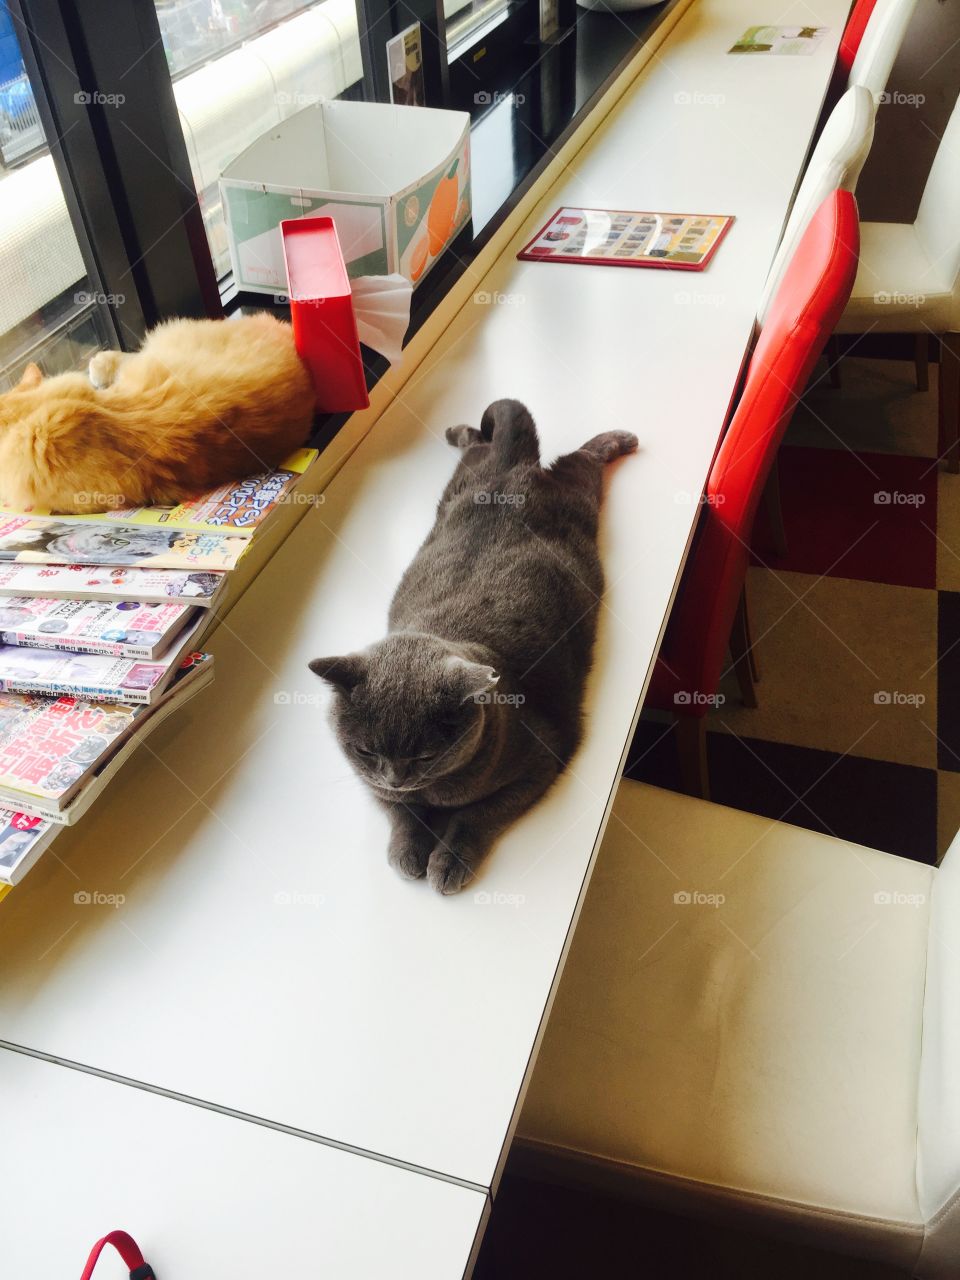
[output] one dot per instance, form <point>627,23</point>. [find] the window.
<point>468,21</point>
<point>49,310</point>
<point>194,31</point>
<point>116,121</point>
<point>239,68</point>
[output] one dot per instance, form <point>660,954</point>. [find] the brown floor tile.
<point>840,669</point>
<point>876,410</point>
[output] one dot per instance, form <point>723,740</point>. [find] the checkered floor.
<point>857,631</point>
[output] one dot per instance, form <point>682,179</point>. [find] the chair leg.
<point>741,650</point>
<point>690,735</point>
<point>748,634</point>
<point>921,361</point>
<point>833,359</point>
<point>949,401</point>
<point>773,509</point>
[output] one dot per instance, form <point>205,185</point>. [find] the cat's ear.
<point>30,378</point>
<point>471,678</point>
<point>344,673</point>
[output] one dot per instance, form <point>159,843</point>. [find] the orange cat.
<point>201,403</point>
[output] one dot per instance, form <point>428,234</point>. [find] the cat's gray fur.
<point>462,717</point>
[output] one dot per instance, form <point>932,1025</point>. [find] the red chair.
<point>852,35</point>
<point>868,50</point>
<point>710,613</point>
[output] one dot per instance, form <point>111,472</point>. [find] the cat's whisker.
<point>335,782</point>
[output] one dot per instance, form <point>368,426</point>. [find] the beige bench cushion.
<point>900,287</point>
<point>938,1129</point>
<point>763,1037</point>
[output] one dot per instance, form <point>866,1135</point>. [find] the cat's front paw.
<point>448,871</point>
<point>409,856</point>
<point>102,368</point>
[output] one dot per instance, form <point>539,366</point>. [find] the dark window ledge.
<point>523,111</point>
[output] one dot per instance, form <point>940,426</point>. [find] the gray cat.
<point>462,717</point>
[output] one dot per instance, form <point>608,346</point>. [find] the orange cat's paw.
<point>103,368</point>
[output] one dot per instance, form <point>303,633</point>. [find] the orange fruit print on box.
<point>418,260</point>
<point>443,210</point>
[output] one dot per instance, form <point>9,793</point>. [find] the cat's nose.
<point>394,774</point>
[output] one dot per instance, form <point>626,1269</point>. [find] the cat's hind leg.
<point>474,466</point>
<point>610,444</point>
<point>507,438</point>
<point>583,469</point>
<point>463,437</point>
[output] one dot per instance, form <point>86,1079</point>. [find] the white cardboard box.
<point>396,180</point>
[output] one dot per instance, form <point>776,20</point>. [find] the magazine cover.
<point>623,238</point>
<point>84,675</point>
<point>22,840</point>
<point>90,582</point>
<point>122,629</point>
<point>96,676</point>
<point>783,41</point>
<point>239,507</point>
<point>188,684</point>
<point>45,540</point>
<point>48,746</point>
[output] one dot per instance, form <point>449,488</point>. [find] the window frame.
<point>124,169</point>
<point>126,174</point>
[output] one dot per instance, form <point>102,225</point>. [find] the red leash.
<point>128,1250</point>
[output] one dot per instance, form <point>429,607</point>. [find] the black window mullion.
<point>114,130</point>
<point>128,59</point>
<point>69,131</point>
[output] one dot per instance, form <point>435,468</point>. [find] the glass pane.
<point>194,31</point>
<point>470,20</point>
<point>242,66</point>
<point>49,312</point>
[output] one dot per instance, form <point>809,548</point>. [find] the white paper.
<point>381,305</point>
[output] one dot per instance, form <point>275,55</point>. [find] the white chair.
<point>880,44</point>
<point>909,281</point>
<point>835,164</point>
<point>762,1024</point>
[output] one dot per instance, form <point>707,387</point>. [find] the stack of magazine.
<point>99,621</point>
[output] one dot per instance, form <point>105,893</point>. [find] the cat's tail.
<point>508,426</point>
